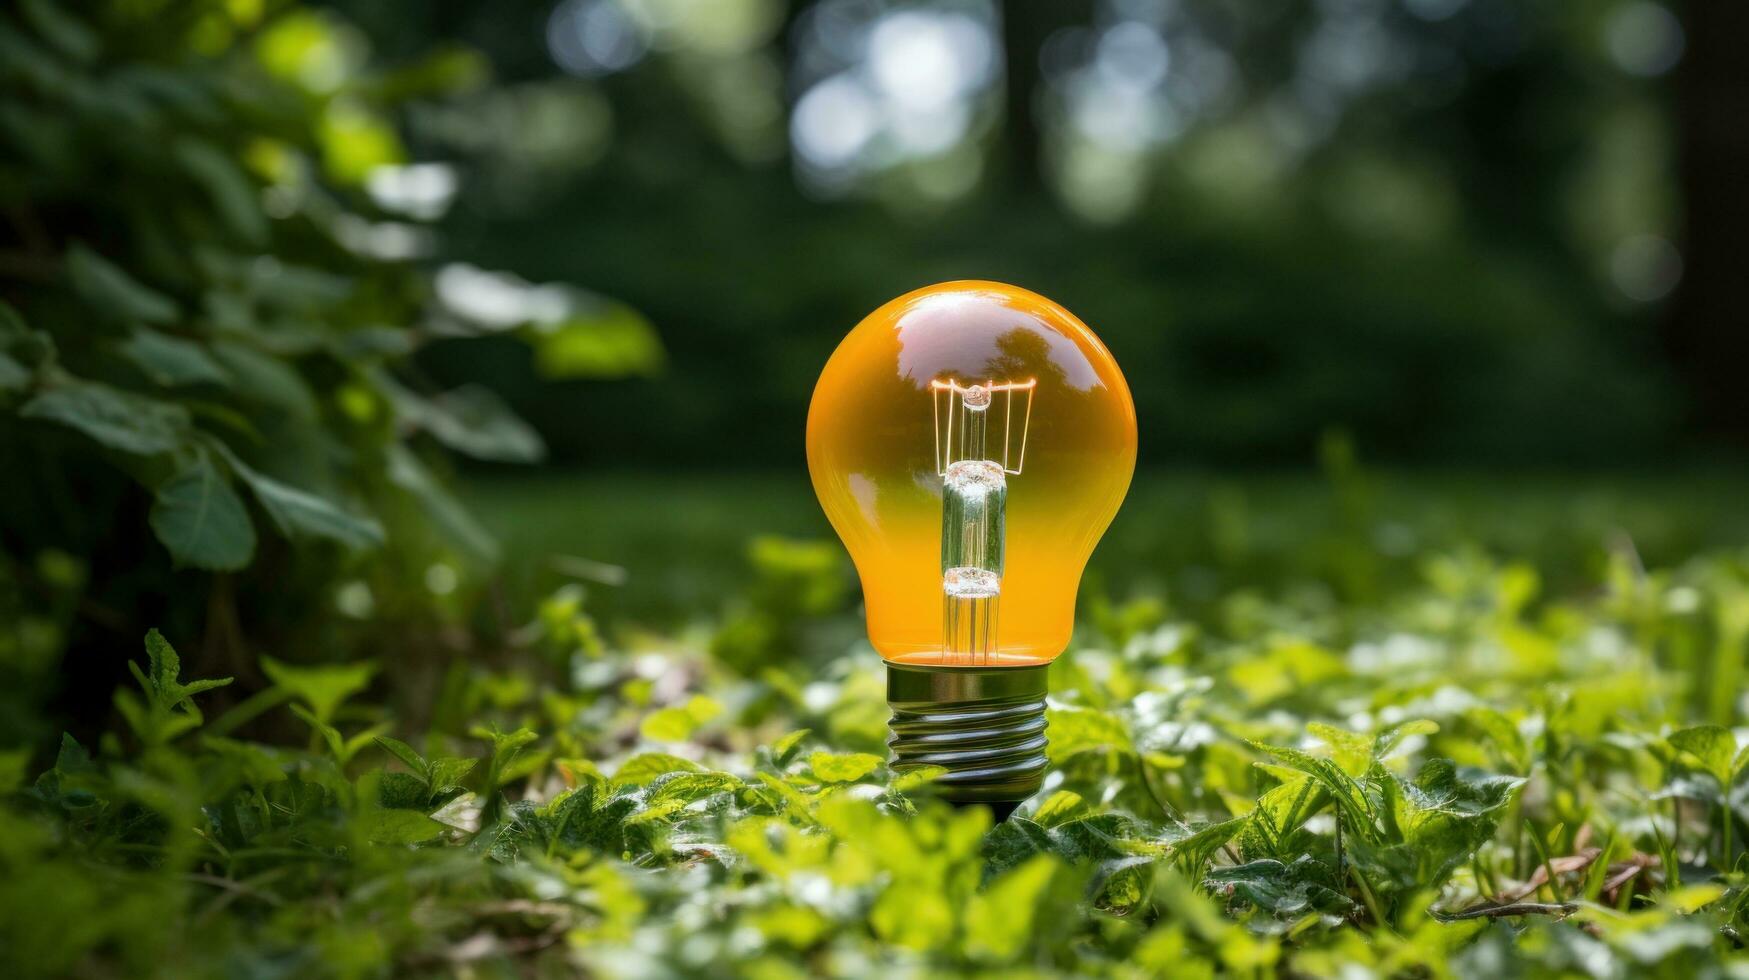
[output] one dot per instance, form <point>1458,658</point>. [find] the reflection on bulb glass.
<point>970,442</point>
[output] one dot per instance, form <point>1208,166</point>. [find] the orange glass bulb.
<point>970,442</point>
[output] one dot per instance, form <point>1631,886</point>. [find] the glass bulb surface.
<point>970,442</point>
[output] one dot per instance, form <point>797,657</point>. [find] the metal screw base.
<point>985,725</point>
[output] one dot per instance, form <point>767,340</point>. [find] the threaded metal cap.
<point>985,725</point>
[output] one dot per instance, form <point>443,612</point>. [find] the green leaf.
<point>1502,735</point>
<point>660,810</point>
<point>1692,898</point>
<point>263,379</point>
<point>24,352</point>
<point>119,420</point>
<point>1059,807</point>
<point>402,790</point>
<point>256,765</point>
<point>72,757</point>
<point>667,725</point>
<point>201,520</point>
<point>301,515</point>
<point>1433,825</point>
<point>1075,730</point>
<point>1284,890</point>
<point>1269,828</point>
<point>171,361</point>
<point>1092,838</point>
<point>641,769</point>
<point>12,763</point>
<point>1351,751</point>
<point>1190,853</point>
<point>162,680</point>
<point>446,773</point>
<point>1343,788</point>
<point>164,666</point>
<point>330,734</point>
<point>13,375</point>
<point>999,919</point>
<point>108,289</point>
<point>68,34</point>
<point>357,743</point>
<point>394,826</point>
<point>73,772</point>
<point>1388,740</point>
<point>843,768</point>
<point>610,340</point>
<point>506,746</point>
<point>582,818</point>
<point>503,742</point>
<point>690,787</point>
<point>677,724</point>
<point>1013,842</point>
<point>784,749</point>
<point>406,472</point>
<point>784,797</point>
<point>1712,746</point>
<point>406,753</point>
<point>323,688</point>
<point>913,778</point>
<point>474,421</point>
<point>234,196</point>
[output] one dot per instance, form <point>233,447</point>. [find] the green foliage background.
<point>205,344</point>
<point>1349,724</point>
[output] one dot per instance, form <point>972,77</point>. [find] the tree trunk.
<point>1026,25</point>
<point>1707,331</point>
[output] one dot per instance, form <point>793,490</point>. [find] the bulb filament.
<point>974,503</point>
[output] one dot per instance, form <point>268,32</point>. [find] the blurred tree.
<point>1026,28</point>
<point>1444,225</point>
<point>1705,332</point>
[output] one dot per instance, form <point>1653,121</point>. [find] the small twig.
<point>230,890</point>
<point>1626,875</point>
<point>1545,872</point>
<point>1557,909</point>
<point>231,884</point>
<point>520,906</point>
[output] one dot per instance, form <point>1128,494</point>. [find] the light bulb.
<point>970,442</point>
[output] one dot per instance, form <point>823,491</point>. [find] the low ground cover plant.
<point>1466,778</point>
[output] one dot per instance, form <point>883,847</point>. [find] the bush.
<point>207,335</point>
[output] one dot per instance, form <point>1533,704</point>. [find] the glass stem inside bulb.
<point>974,499</point>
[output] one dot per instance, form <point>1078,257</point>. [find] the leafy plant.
<point>604,822</point>
<point>209,310</point>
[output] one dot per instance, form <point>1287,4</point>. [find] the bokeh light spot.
<point>594,37</point>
